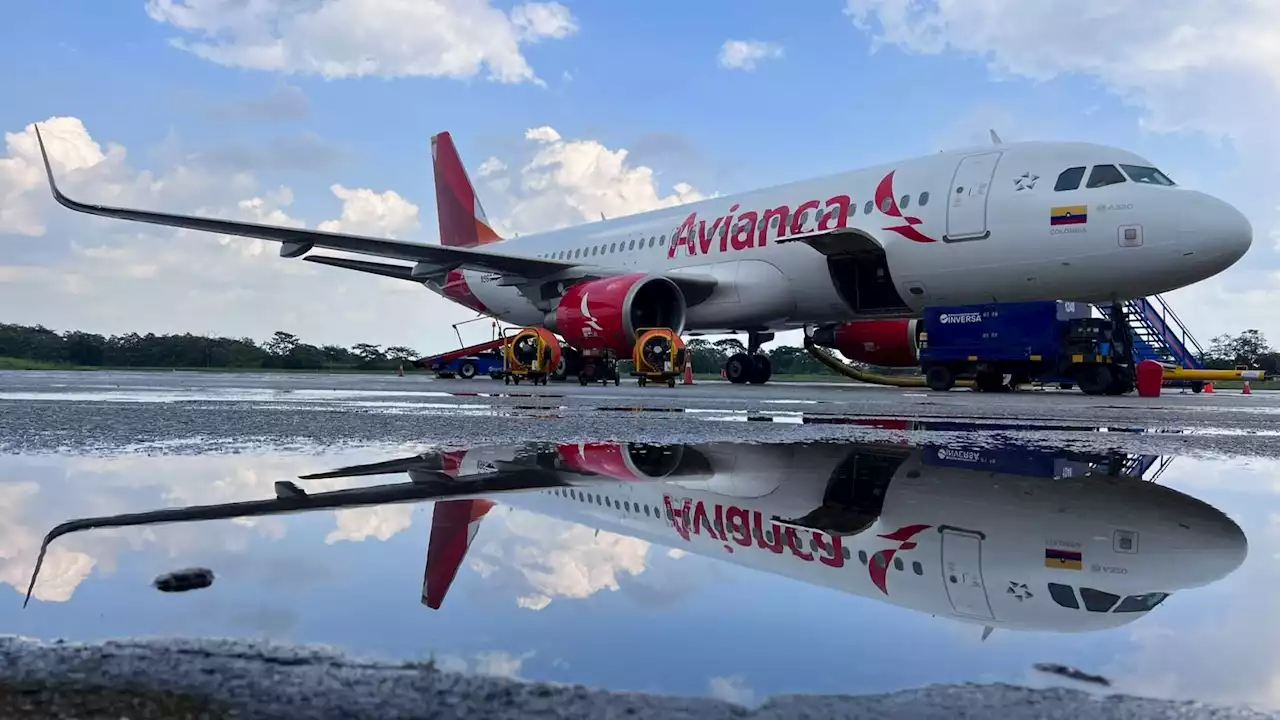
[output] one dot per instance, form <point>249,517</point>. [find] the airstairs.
<point>1159,334</point>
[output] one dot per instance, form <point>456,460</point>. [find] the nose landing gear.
<point>751,366</point>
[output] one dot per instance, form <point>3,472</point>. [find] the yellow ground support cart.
<point>659,356</point>
<point>532,353</point>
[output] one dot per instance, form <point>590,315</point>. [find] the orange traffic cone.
<point>688,373</point>
<point>1247,391</point>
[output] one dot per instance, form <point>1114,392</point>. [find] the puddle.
<point>540,560</point>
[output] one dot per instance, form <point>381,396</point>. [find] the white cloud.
<point>382,522</point>
<point>365,212</point>
<point>491,166</point>
<point>568,182</point>
<point>495,663</point>
<point>556,559</point>
<point>70,271</point>
<point>731,689</point>
<point>747,54</point>
<point>1178,59</point>
<point>358,38</point>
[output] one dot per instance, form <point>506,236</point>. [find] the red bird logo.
<point>878,567</point>
<point>887,204</point>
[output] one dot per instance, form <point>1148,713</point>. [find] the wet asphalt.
<point>192,413</point>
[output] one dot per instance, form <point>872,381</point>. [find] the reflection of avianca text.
<point>740,526</point>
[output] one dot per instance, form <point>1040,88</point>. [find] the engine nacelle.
<point>607,314</point>
<point>621,461</point>
<point>886,343</point>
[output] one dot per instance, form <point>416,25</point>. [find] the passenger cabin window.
<point>866,209</point>
<point>905,202</point>
<point>1063,594</point>
<point>1141,603</point>
<point>1069,179</point>
<point>1104,175</point>
<point>1098,601</point>
<point>924,198</point>
<point>1146,175</point>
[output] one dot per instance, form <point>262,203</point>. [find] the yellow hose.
<point>826,357</point>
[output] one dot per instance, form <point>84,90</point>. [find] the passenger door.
<point>967,208</point>
<point>962,572</point>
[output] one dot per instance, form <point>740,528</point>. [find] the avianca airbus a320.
<point>1005,223</point>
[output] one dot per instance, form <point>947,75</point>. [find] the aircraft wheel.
<point>761,369</point>
<point>506,380</point>
<point>939,378</point>
<point>671,382</point>
<point>1094,379</point>
<point>988,381</point>
<point>1197,387</point>
<point>467,370</point>
<point>739,368</point>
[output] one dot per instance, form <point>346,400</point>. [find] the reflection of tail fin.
<point>454,524</point>
<point>462,220</point>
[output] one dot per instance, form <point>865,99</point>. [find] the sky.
<point>320,113</point>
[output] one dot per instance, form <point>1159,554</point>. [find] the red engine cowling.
<point>621,461</point>
<point>607,314</point>
<point>886,343</point>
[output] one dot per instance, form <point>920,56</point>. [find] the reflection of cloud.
<point>496,663</point>
<point>731,689</point>
<point>363,523</point>
<point>557,559</point>
<point>64,569</point>
<point>100,486</point>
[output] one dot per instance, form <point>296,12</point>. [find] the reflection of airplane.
<point>1001,537</point>
<point>1022,221</point>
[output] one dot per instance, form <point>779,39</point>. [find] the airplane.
<point>1006,538</point>
<point>1009,222</point>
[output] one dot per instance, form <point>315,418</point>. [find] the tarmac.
<point>213,678</point>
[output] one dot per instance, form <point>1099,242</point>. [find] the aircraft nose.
<point>1226,233</point>
<point>1217,547</point>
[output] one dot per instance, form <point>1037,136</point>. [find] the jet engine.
<point>607,314</point>
<point>886,343</point>
<point>622,461</point>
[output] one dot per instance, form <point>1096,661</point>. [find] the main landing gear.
<point>750,366</point>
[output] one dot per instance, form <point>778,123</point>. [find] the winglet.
<point>995,139</point>
<point>48,169</point>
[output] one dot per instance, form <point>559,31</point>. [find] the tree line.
<point>283,351</point>
<point>1249,349</point>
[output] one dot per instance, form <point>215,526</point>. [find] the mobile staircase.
<point>1160,335</point>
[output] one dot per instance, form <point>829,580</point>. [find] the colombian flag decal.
<point>1063,559</point>
<point>1069,215</point>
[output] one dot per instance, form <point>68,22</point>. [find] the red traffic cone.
<point>1208,387</point>
<point>688,373</point>
<point>400,372</point>
<point>1247,391</point>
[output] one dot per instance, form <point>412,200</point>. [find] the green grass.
<point>8,363</point>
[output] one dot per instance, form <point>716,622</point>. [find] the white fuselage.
<point>948,540</point>
<point>953,228</point>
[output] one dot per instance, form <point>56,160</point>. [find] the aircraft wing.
<point>297,241</point>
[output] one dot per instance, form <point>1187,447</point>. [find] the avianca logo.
<point>741,231</point>
<point>878,567</point>
<point>593,324</point>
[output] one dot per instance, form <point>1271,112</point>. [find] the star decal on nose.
<point>1025,181</point>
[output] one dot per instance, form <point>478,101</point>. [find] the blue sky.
<point>223,101</point>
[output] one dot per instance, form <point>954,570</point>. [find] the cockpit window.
<point>1064,595</point>
<point>1141,603</point>
<point>1147,175</point>
<point>1069,179</point>
<point>1104,175</point>
<point>1098,601</point>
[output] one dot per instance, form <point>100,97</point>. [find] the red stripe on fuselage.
<point>457,290</point>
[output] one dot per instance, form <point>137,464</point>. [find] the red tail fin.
<point>453,526</point>
<point>462,220</point>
